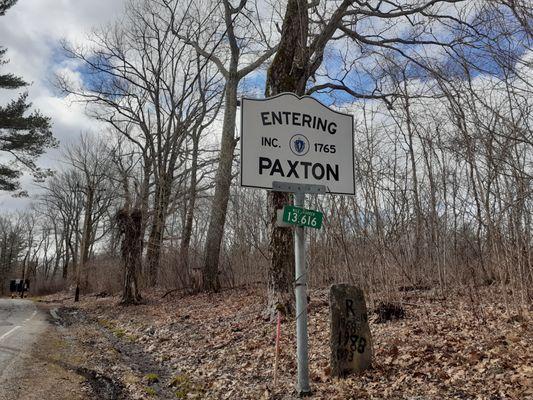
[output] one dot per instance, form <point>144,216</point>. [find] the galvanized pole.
<point>300,291</point>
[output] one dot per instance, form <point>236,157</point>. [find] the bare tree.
<point>92,160</point>
<point>12,246</point>
<point>62,203</point>
<point>146,87</point>
<point>248,38</point>
<point>372,39</point>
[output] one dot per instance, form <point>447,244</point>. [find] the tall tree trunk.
<point>189,216</point>
<point>155,241</point>
<point>142,203</point>
<point>416,196</point>
<point>287,73</point>
<point>24,274</point>
<point>130,226</point>
<point>87,227</point>
<point>215,231</point>
<point>67,253</point>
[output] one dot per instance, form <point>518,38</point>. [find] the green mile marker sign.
<point>302,217</point>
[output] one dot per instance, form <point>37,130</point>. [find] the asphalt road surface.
<point>21,324</point>
<point>34,356</point>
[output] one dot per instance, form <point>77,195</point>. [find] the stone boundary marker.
<point>350,340</point>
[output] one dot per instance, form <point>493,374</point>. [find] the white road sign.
<point>298,140</point>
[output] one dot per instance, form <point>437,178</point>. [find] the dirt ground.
<point>220,347</point>
<point>46,369</point>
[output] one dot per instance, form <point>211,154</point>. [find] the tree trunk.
<point>189,216</point>
<point>130,226</point>
<point>155,242</point>
<point>287,73</point>
<point>215,231</point>
<point>67,255</point>
<point>416,197</point>
<point>87,226</point>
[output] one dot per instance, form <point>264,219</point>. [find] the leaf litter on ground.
<point>218,346</point>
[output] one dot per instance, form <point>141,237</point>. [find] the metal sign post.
<point>300,292</point>
<point>300,282</point>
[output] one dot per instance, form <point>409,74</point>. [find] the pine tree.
<point>5,5</point>
<point>23,137</point>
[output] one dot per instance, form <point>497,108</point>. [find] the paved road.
<point>33,355</point>
<point>21,324</point>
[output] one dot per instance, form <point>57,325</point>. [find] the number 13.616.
<point>293,217</point>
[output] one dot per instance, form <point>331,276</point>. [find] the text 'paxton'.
<point>297,140</point>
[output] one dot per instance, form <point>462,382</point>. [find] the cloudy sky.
<point>32,31</point>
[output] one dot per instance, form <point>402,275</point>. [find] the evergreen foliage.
<point>23,137</point>
<point>5,5</point>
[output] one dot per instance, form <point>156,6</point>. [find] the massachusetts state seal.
<point>299,145</point>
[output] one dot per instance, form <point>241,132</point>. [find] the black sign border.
<point>243,99</point>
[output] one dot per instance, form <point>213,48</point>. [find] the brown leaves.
<point>222,344</point>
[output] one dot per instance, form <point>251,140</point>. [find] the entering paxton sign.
<point>297,145</point>
<point>294,139</point>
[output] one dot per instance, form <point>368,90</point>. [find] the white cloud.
<point>32,31</point>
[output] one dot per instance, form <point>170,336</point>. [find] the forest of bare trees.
<point>442,98</point>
